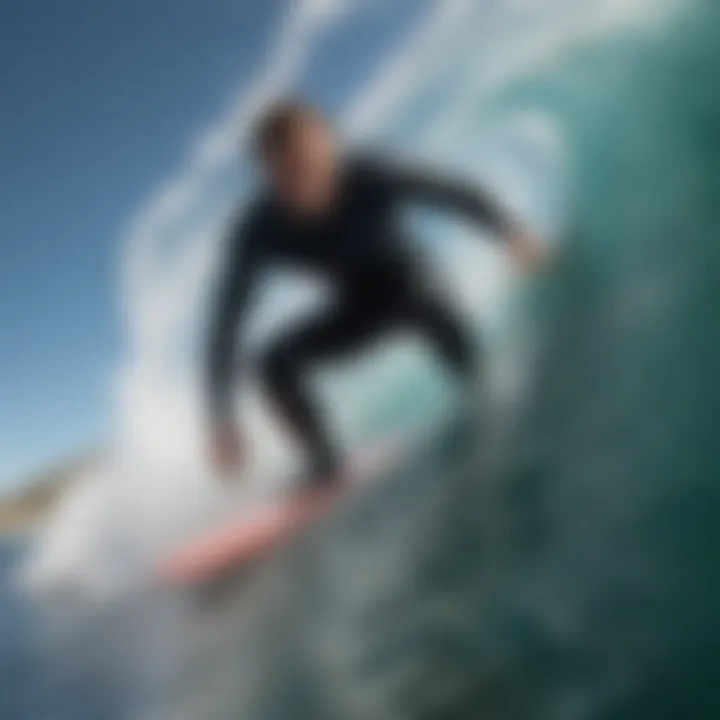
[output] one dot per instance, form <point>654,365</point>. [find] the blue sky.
<point>100,102</point>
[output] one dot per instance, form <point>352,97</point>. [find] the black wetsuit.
<point>360,246</point>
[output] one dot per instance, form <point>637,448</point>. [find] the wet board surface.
<point>231,546</point>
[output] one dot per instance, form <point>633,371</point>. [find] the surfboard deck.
<point>238,543</point>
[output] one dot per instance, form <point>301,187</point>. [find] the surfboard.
<point>230,547</point>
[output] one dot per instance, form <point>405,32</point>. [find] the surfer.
<point>335,212</point>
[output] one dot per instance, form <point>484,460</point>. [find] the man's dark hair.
<point>275,128</point>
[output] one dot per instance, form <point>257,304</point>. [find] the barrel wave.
<point>552,551</point>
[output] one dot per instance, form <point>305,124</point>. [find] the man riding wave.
<point>337,214</point>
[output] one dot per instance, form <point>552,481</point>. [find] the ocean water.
<point>553,556</point>
<point>16,666</point>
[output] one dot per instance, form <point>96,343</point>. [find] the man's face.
<point>304,172</point>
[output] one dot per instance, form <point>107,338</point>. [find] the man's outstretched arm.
<point>416,183</point>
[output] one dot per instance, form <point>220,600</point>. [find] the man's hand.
<point>529,255</point>
<point>226,449</point>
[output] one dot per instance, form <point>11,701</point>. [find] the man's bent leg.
<point>450,337</point>
<point>284,370</point>
<point>284,379</point>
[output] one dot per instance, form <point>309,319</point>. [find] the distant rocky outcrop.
<point>23,508</point>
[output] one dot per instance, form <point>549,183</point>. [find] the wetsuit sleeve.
<point>239,266</point>
<point>417,183</point>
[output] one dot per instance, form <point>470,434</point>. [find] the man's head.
<point>298,151</point>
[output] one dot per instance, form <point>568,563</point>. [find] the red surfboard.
<point>231,546</point>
